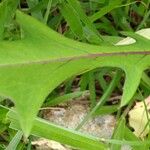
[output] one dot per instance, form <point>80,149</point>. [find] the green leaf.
<point>89,30</point>
<point>129,135</point>
<point>104,110</point>
<point>37,14</point>
<point>72,19</point>
<point>105,10</point>
<point>64,98</point>
<point>118,133</point>
<point>15,141</point>
<point>32,67</point>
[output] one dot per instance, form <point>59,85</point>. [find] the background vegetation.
<point>97,22</point>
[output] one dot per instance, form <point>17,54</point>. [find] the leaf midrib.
<point>71,58</point>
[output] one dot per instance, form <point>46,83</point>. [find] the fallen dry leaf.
<point>138,119</point>
<point>44,144</point>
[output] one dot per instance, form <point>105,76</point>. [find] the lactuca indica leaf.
<point>134,73</point>
<point>32,67</point>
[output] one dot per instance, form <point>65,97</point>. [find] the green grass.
<point>95,22</point>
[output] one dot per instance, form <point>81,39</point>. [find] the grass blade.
<point>118,134</point>
<point>64,98</point>
<point>15,141</point>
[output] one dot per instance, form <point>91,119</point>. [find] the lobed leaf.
<point>32,67</point>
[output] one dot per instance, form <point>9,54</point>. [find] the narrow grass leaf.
<point>118,134</point>
<point>64,98</point>
<point>15,141</point>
